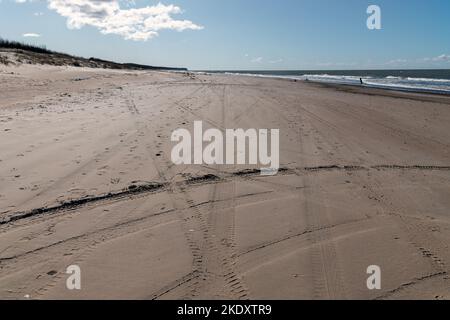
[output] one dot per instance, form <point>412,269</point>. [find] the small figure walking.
<point>361,80</point>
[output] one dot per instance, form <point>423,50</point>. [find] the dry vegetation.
<point>4,60</point>
<point>30,54</point>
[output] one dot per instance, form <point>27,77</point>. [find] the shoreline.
<point>381,88</point>
<point>331,83</point>
<point>393,93</point>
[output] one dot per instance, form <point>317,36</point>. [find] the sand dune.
<point>86,178</point>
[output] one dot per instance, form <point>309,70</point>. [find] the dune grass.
<point>24,46</point>
<point>41,55</point>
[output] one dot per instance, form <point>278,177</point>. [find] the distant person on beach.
<point>360,80</point>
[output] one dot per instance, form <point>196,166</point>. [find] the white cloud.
<point>138,24</point>
<point>38,14</point>
<point>31,35</point>
<point>324,64</point>
<point>442,57</point>
<point>276,61</point>
<point>20,1</point>
<point>261,60</point>
<point>257,60</point>
<point>397,61</point>
<point>336,64</point>
<point>434,60</point>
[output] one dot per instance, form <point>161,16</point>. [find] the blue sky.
<point>238,34</point>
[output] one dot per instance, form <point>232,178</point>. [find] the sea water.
<point>437,81</point>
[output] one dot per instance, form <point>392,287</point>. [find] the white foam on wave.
<point>413,86</point>
<point>388,82</point>
<point>429,80</point>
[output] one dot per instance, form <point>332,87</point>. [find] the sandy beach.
<point>86,179</point>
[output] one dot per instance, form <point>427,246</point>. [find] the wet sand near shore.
<point>86,179</point>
